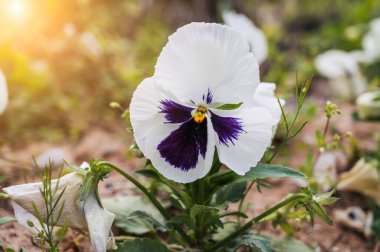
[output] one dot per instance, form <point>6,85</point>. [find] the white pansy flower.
<point>85,215</point>
<point>363,178</point>
<point>255,37</point>
<point>3,93</point>
<point>343,72</point>
<point>368,105</point>
<point>188,109</point>
<point>370,42</point>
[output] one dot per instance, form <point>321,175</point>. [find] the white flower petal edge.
<point>336,63</point>
<point>144,110</point>
<point>99,222</point>
<point>265,97</point>
<point>3,93</point>
<point>255,37</point>
<point>24,195</point>
<point>203,166</point>
<point>251,145</point>
<point>205,56</point>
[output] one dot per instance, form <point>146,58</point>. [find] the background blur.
<point>65,62</point>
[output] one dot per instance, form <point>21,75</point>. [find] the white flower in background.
<point>177,116</point>
<point>89,40</point>
<point>368,105</point>
<point>255,37</point>
<point>85,215</point>
<point>370,43</point>
<point>3,93</point>
<point>363,178</point>
<point>343,71</point>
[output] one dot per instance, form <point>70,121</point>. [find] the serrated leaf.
<point>229,106</point>
<point>139,245</point>
<point>5,220</point>
<point>149,173</point>
<point>264,171</point>
<point>291,245</point>
<point>229,193</point>
<point>255,242</point>
<point>122,207</point>
<point>200,209</point>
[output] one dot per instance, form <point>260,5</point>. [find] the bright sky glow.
<point>17,7</point>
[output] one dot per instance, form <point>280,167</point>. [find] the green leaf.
<point>291,245</point>
<point>139,245</point>
<point>123,207</point>
<point>149,173</point>
<point>5,220</point>
<point>229,106</point>
<point>263,171</point>
<point>201,209</point>
<point>255,242</point>
<point>229,193</point>
<point>149,219</point>
<point>182,219</point>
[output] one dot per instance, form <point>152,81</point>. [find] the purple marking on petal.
<point>209,96</point>
<point>182,147</point>
<point>227,128</point>
<point>174,112</point>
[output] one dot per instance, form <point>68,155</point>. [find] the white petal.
<point>201,57</point>
<point>24,216</point>
<point>3,93</point>
<point>251,145</point>
<point>265,97</point>
<point>27,194</point>
<point>144,111</point>
<point>255,37</point>
<point>176,174</point>
<point>335,63</point>
<point>99,221</point>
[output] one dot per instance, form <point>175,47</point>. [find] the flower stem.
<point>152,198</point>
<point>253,221</point>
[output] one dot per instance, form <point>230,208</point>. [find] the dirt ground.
<point>113,144</point>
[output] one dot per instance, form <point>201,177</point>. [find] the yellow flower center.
<point>200,114</point>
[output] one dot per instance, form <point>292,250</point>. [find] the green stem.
<point>152,198</point>
<point>253,221</point>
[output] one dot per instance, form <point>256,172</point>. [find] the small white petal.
<point>99,221</point>
<point>335,64</point>
<point>144,111</point>
<point>255,37</point>
<point>23,217</point>
<point>3,93</point>
<point>200,57</point>
<point>251,145</point>
<point>27,194</point>
<point>265,97</point>
<point>202,168</point>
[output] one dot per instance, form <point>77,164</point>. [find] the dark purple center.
<point>183,146</point>
<point>227,128</point>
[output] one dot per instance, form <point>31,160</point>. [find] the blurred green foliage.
<point>65,62</point>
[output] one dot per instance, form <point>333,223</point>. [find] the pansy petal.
<point>180,150</point>
<point>201,57</point>
<point>255,37</point>
<point>3,93</point>
<point>247,150</point>
<point>99,221</point>
<point>144,111</point>
<point>265,97</point>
